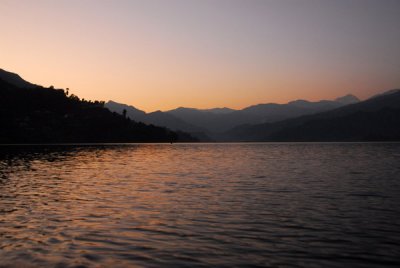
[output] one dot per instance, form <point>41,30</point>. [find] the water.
<point>200,205</point>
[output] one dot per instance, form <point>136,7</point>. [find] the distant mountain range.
<point>375,119</point>
<point>214,122</point>
<point>34,114</point>
<point>343,119</point>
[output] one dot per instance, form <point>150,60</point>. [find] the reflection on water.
<point>195,205</point>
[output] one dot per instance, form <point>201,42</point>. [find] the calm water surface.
<point>200,205</point>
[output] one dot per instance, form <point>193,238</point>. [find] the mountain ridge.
<point>15,79</point>
<point>379,109</point>
<point>216,120</point>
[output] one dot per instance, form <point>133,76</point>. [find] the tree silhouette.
<point>48,115</point>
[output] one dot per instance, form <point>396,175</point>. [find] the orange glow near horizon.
<point>159,56</point>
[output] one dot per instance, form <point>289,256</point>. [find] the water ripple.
<point>200,205</point>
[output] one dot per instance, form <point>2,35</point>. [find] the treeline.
<point>48,115</point>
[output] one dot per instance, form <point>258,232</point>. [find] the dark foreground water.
<point>198,205</point>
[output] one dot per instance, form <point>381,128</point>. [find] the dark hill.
<point>376,119</point>
<point>15,79</point>
<point>46,115</point>
<point>131,111</point>
<point>220,120</point>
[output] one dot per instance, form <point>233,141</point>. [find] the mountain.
<point>374,119</point>
<point>208,120</point>
<point>15,79</point>
<point>162,119</point>
<point>223,110</point>
<point>157,118</point>
<point>215,123</point>
<point>348,99</point>
<point>47,115</point>
<point>131,112</point>
<point>386,93</point>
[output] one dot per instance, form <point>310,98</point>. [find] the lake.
<point>200,205</point>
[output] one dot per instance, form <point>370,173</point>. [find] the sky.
<point>163,54</point>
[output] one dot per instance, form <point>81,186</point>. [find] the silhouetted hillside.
<point>47,115</point>
<point>375,119</point>
<point>380,125</point>
<point>131,112</point>
<point>15,79</point>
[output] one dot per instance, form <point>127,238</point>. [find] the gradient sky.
<point>204,53</point>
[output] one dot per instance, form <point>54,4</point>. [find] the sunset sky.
<point>159,55</point>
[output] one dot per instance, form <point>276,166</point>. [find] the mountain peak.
<point>119,107</point>
<point>299,102</point>
<point>181,108</point>
<point>223,110</point>
<point>347,99</point>
<point>15,79</point>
